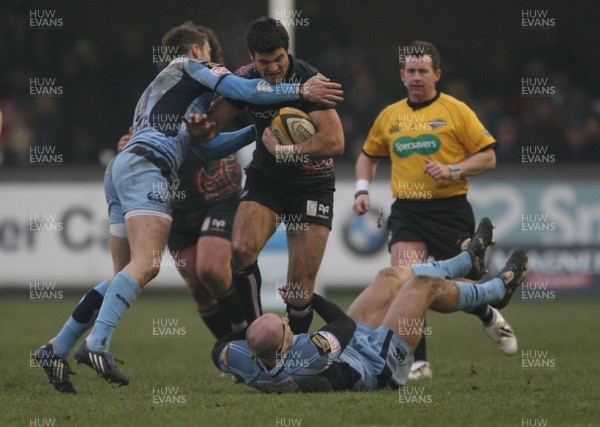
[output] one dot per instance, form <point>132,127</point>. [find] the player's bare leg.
<point>147,240</point>
<point>406,254</point>
<point>305,255</point>
<point>120,253</point>
<point>252,227</point>
<point>374,301</point>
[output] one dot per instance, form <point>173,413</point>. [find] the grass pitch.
<point>552,381</point>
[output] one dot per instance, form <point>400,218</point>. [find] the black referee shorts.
<point>439,223</point>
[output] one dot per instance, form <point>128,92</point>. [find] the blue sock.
<point>80,321</point>
<point>471,295</point>
<point>121,293</point>
<point>459,266</point>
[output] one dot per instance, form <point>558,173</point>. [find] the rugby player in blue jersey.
<point>139,181</point>
<point>371,346</point>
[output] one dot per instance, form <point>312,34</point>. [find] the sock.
<point>459,266</point>
<point>230,304</point>
<point>421,350</point>
<point>81,320</point>
<point>121,293</point>
<point>247,283</point>
<point>300,317</point>
<point>471,296</point>
<point>484,312</point>
<point>216,321</point>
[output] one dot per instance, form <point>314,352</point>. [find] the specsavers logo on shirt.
<point>422,144</point>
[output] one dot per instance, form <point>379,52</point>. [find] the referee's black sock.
<point>421,350</point>
<point>484,312</point>
<point>216,321</point>
<point>231,305</point>
<point>300,317</point>
<point>247,282</point>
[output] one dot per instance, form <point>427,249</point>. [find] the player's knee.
<point>387,273</point>
<point>214,277</point>
<point>426,283</point>
<point>243,254</point>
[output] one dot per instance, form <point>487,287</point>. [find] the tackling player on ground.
<point>367,348</point>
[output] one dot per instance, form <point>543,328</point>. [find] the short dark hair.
<point>183,37</point>
<point>216,51</point>
<point>266,35</point>
<point>419,48</point>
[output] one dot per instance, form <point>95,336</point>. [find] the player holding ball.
<point>290,184</point>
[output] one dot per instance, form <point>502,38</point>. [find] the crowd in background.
<point>96,88</point>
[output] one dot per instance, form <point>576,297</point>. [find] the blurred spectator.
<point>507,135</point>
<point>104,70</point>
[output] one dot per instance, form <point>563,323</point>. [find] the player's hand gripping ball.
<point>292,126</point>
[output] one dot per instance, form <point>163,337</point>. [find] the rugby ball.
<point>292,126</point>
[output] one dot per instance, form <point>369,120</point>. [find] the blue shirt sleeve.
<point>255,91</point>
<point>222,145</point>
<point>209,76</point>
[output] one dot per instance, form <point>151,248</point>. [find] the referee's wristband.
<point>360,193</point>
<point>362,184</point>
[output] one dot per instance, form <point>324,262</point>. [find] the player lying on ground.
<point>368,348</point>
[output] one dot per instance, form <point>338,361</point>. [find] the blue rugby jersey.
<point>318,362</point>
<point>172,94</point>
<point>298,370</point>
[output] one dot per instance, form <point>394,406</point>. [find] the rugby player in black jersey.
<point>294,188</point>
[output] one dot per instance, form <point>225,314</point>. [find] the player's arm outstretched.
<point>201,129</point>
<point>317,89</point>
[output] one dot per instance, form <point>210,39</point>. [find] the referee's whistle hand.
<point>362,204</point>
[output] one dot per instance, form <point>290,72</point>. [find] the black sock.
<point>247,283</point>
<point>92,301</point>
<point>216,321</point>
<point>300,317</point>
<point>421,350</point>
<point>484,312</point>
<point>230,304</point>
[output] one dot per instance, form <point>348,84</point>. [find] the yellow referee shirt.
<point>444,131</point>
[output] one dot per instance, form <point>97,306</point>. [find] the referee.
<point>435,142</point>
